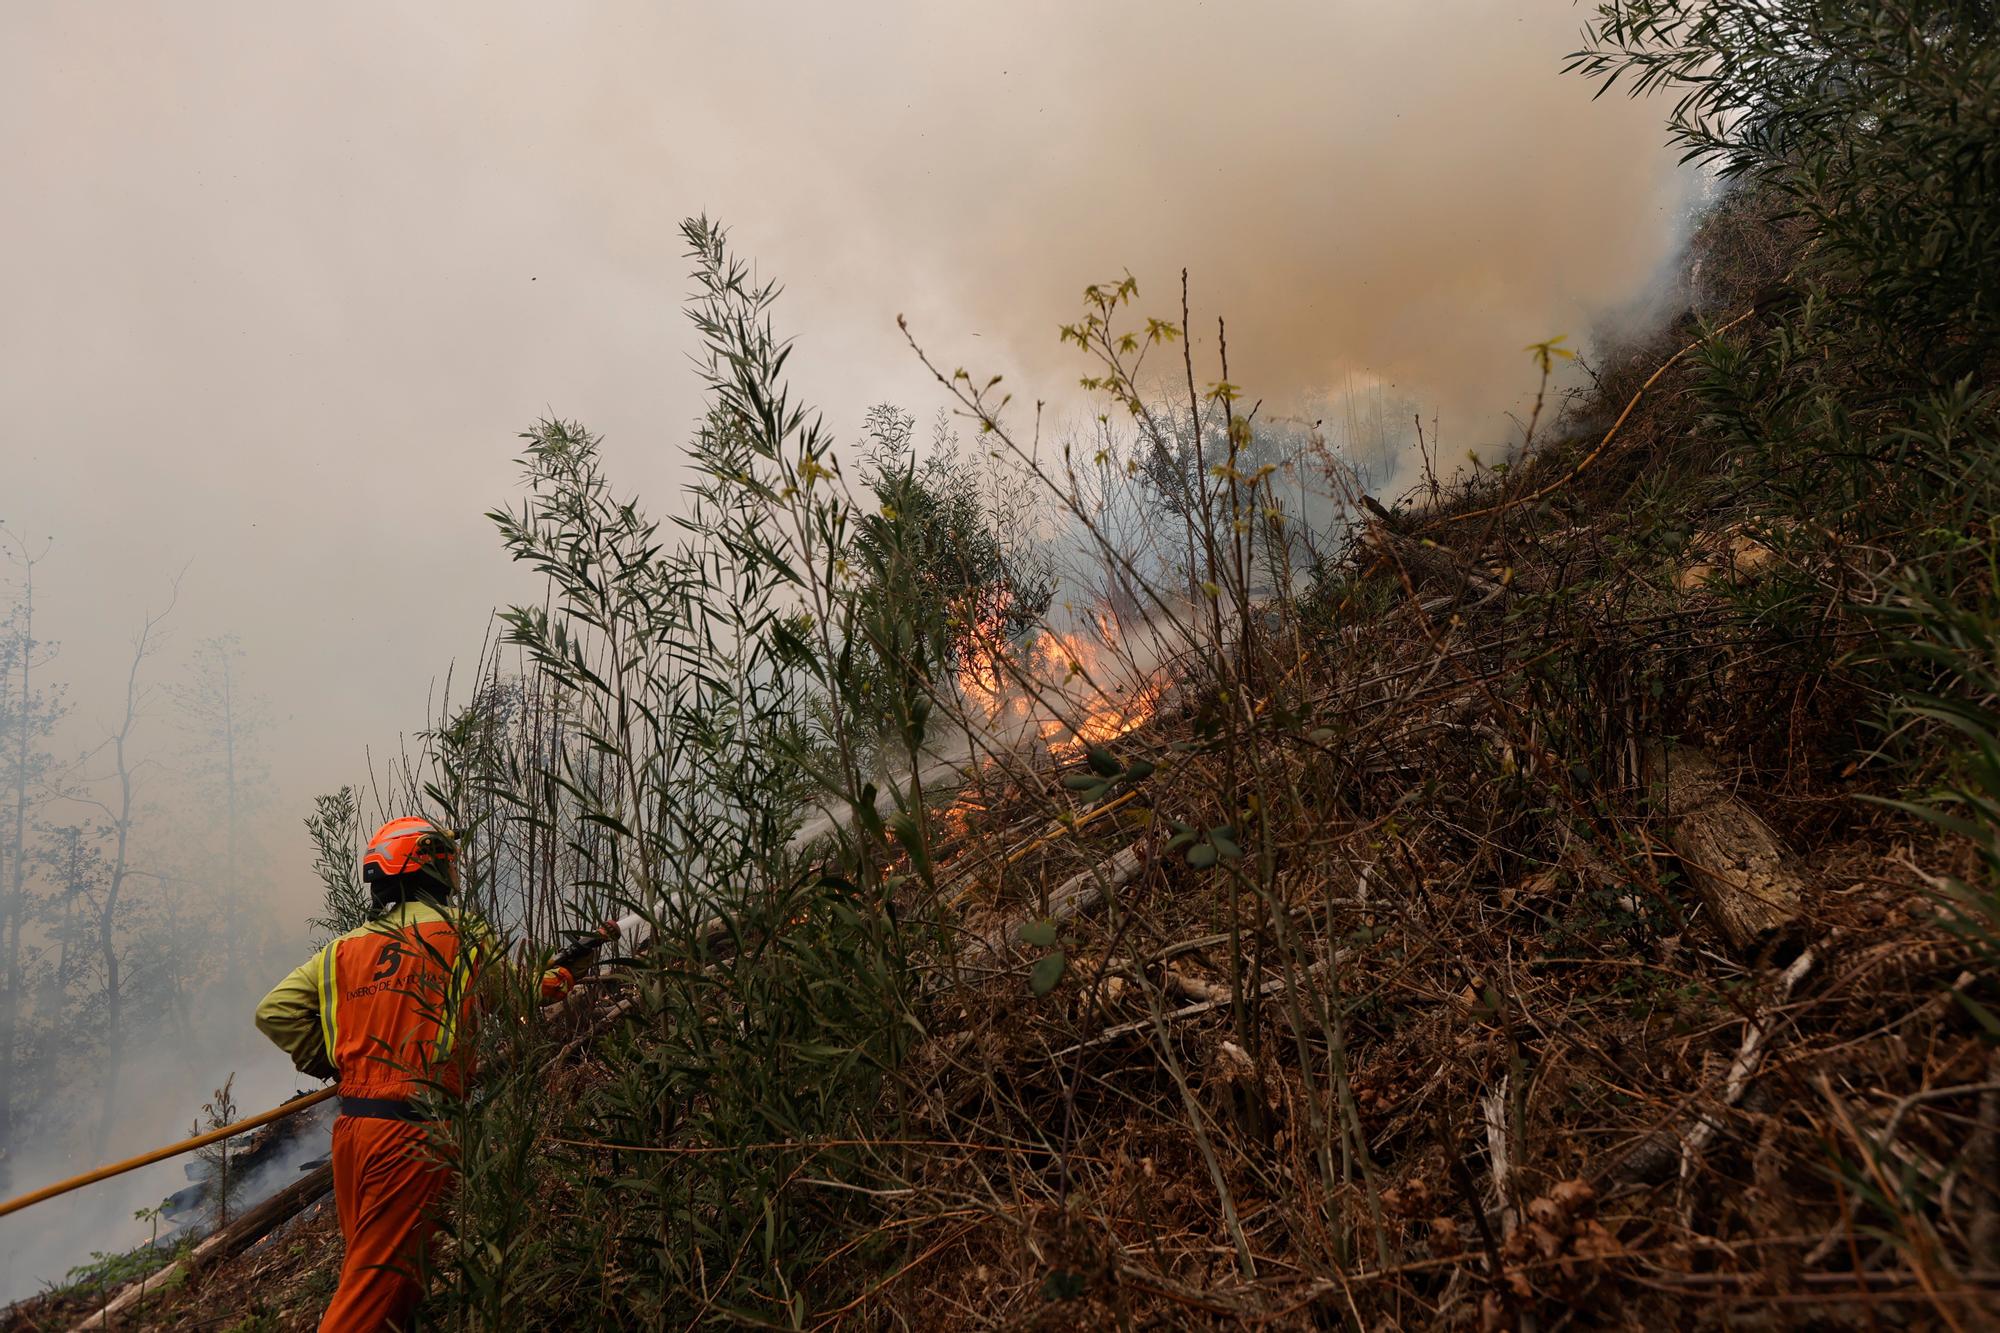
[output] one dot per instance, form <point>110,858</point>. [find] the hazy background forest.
<point>290,284</point>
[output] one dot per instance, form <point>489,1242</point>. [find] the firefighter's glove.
<point>556,983</point>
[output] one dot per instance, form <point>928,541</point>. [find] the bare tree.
<point>126,771</point>
<point>29,714</point>
<point>223,720</point>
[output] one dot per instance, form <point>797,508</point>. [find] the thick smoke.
<point>1405,192</point>
<point>300,275</point>
<point>289,280</point>
<point>39,1246</point>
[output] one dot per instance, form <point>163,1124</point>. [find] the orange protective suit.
<point>384,1186</point>
<point>389,1008</point>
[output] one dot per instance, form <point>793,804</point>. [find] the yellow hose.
<point>624,926</point>
<point>162,1154</point>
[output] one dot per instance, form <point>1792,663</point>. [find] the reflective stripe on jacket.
<point>387,1002</point>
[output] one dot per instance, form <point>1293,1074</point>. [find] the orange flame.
<point>1081,704</point>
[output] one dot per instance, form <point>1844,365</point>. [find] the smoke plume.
<point>288,280</point>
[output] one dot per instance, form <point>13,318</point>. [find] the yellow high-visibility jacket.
<point>302,1012</point>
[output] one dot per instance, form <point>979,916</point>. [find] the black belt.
<point>382,1108</point>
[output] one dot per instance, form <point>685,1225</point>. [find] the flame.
<point>1082,702</point>
<point>982,667</point>
<point>956,820</point>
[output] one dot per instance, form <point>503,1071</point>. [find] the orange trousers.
<point>384,1186</point>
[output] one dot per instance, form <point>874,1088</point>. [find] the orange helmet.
<point>404,845</point>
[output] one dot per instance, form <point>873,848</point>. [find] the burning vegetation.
<point>1450,914</point>
<point>1071,689</point>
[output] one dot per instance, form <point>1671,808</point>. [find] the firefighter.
<point>386,1008</point>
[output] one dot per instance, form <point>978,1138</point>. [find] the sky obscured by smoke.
<point>285,282</point>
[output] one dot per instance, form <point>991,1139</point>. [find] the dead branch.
<point>1077,894</point>
<point>1647,1160</point>
<point>1493,1109</point>
<point>1750,1055</point>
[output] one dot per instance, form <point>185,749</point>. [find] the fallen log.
<point>230,1240</point>
<point>1075,895</point>
<point>1739,868</point>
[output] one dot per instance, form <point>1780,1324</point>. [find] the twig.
<point>1756,1035</point>
<point>1609,435</point>
<point>1493,1107</point>
<point>1123,1030</point>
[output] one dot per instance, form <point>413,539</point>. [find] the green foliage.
<point>1860,418</point>
<point>1204,850</point>
<point>1956,643</point>
<point>933,550</point>
<point>1878,122</point>
<point>750,1055</point>
<point>335,829</point>
<point>1865,408</point>
<point>708,677</point>
<point>1047,970</point>
<point>1108,773</point>
<point>500,1268</point>
<point>109,1271</point>
<point>1863,419</point>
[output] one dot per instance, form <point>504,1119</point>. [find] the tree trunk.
<point>107,941</point>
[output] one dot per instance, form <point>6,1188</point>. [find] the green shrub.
<point>1859,414</point>
<point>709,676</point>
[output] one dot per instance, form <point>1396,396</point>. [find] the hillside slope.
<point>1616,994</point>
<point>1577,902</point>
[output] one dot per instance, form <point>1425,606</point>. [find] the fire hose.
<point>567,958</point>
